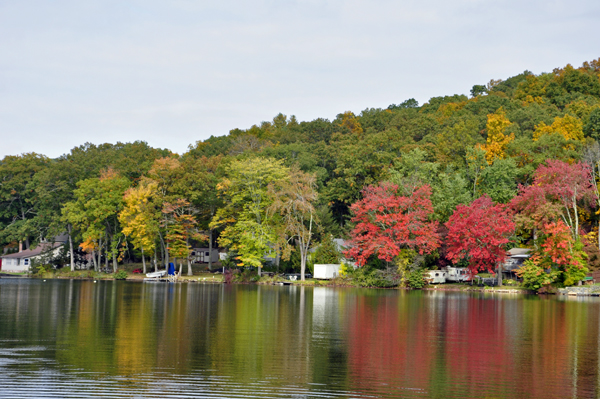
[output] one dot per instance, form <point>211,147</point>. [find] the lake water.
<point>132,340</point>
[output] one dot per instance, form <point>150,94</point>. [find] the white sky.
<point>174,72</point>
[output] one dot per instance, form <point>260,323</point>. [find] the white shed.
<point>326,271</point>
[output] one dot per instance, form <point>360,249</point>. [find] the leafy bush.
<point>229,275</point>
<point>41,269</point>
<point>247,275</point>
<point>367,277</point>
<point>121,275</point>
<point>343,270</point>
<point>416,279</point>
<point>535,277</point>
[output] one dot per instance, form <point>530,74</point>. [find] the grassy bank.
<point>202,275</point>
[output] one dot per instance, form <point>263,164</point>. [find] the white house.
<point>21,261</point>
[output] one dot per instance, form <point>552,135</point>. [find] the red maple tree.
<point>387,222</point>
<point>478,233</point>
<point>558,187</point>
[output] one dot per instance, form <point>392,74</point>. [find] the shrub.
<point>367,277</point>
<point>535,277</point>
<point>416,279</point>
<point>121,275</point>
<point>41,269</point>
<point>343,270</point>
<point>229,275</point>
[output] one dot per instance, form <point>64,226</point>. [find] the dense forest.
<point>457,180</point>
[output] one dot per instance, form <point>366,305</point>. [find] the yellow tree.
<point>139,218</point>
<point>349,120</point>
<point>570,127</point>
<point>495,145</point>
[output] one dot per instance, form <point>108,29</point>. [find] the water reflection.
<point>74,338</point>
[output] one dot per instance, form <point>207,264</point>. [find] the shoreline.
<point>209,278</point>
<point>310,283</point>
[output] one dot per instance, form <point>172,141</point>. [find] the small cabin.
<point>326,271</point>
<point>203,255</point>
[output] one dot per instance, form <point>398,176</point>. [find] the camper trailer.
<point>456,274</point>
<point>436,277</point>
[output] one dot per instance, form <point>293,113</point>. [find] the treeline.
<point>280,186</point>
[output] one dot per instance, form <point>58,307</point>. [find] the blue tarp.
<point>171,269</point>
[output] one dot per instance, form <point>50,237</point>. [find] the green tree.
<point>17,196</point>
<point>293,199</point>
<point>95,210</point>
<point>248,227</point>
<point>592,127</point>
<point>327,252</point>
<point>478,90</point>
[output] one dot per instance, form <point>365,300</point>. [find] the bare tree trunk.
<point>143,260</point>
<point>99,254</point>
<point>189,264</point>
<point>210,243</point>
<point>302,262</point>
<point>71,248</point>
<point>499,274</point>
<point>576,216</point>
<point>94,261</point>
<point>155,261</point>
<point>115,264</point>
<point>165,251</point>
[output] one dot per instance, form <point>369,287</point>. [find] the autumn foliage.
<point>478,233</point>
<point>387,222</point>
<point>557,193</point>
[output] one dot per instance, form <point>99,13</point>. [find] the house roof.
<point>28,253</point>
<point>518,251</point>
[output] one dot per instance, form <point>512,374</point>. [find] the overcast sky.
<point>174,72</point>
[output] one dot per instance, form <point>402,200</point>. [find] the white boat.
<point>158,274</point>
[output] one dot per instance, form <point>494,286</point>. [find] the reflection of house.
<point>202,255</point>
<point>21,261</point>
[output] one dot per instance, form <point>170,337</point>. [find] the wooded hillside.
<point>239,189</point>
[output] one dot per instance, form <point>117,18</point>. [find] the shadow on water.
<point>121,339</point>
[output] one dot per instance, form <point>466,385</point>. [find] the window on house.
<point>206,254</point>
<point>26,262</point>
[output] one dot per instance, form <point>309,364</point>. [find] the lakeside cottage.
<point>21,261</point>
<point>202,255</point>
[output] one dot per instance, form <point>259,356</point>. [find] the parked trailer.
<point>456,274</point>
<point>326,271</point>
<point>436,277</point>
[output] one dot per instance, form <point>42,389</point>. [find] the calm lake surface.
<point>123,339</point>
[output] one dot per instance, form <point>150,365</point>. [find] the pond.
<point>64,338</point>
